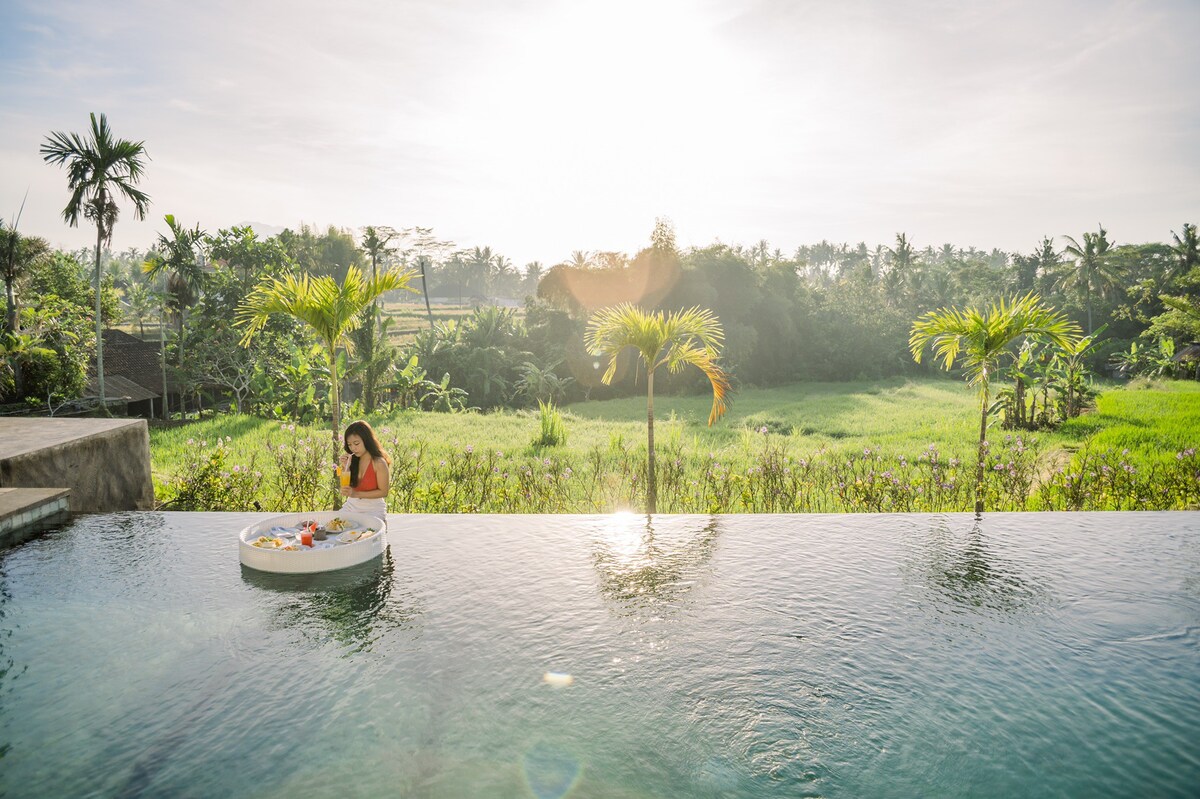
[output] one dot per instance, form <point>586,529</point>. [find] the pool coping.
<point>24,512</point>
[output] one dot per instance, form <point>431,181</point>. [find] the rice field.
<point>902,444</point>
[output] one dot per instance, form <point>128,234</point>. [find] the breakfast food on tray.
<point>312,542</point>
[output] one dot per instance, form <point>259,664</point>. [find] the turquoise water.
<point>740,656</point>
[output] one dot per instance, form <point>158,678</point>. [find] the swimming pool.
<point>729,656</point>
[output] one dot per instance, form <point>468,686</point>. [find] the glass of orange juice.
<point>343,475</point>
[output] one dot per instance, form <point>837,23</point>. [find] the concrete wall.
<point>105,462</point>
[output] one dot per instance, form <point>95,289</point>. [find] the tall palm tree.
<point>980,339</point>
<point>98,170</point>
<point>675,340</point>
<point>17,254</point>
<point>903,259</point>
<point>424,247</point>
<point>330,309</point>
<point>178,257</point>
<point>1095,271</point>
<point>374,242</point>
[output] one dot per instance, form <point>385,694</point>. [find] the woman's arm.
<point>382,477</point>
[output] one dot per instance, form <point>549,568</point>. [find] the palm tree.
<point>17,254</point>
<point>141,302</point>
<point>374,242</point>
<point>98,169</point>
<point>330,309</point>
<point>579,260</point>
<point>981,338</point>
<point>1095,271</point>
<point>178,258</point>
<point>903,258</point>
<point>533,275</point>
<point>1186,249</point>
<point>424,247</point>
<point>675,340</point>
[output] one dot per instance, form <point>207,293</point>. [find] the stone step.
<point>24,511</point>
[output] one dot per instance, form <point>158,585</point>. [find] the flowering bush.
<point>208,482</point>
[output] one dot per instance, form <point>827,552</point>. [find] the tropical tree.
<point>240,248</point>
<point>903,261</point>
<point>424,247</point>
<point>533,275</point>
<point>17,254</point>
<point>1095,272</point>
<point>15,350</point>
<point>673,339</point>
<point>1186,249</point>
<point>98,170</point>
<point>374,243</point>
<point>980,339</point>
<point>177,257</point>
<point>332,310</point>
<point>1073,378</point>
<point>142,303</point>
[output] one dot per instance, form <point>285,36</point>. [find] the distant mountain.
<point>264,230</point>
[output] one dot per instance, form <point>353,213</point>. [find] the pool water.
<point>731,656</point>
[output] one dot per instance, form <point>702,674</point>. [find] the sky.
<point>541,127</point>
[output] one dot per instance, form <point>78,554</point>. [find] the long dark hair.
<point>363,430</point>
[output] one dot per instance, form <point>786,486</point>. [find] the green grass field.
<point>409,316</point>
<point>439,455</point>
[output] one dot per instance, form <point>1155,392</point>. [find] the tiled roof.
<point>119,387</point>
<point>129,356</point>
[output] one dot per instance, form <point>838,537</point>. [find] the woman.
<point>368,467</point>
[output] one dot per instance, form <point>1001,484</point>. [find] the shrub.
<point>553,432</point>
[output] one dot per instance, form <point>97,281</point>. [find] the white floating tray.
<point>338,556</point>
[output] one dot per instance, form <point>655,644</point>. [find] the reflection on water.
<point>963,569</point>
<point>641,566</point>
<point>354,606</point>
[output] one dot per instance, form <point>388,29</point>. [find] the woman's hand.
<point>346,491</point>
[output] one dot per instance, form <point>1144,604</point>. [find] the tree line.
<point>824,311</point>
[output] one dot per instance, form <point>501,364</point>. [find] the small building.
<point>1190,355</point>
<point>133,376</point>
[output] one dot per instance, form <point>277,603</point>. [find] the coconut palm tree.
<point>673,340</point>
<point>178,258</point>
<point>98,170</point>
<point>330,309</point>
<point>1095,271</point>
<point>1186,249</point>
<point>374,242</point>
<point>141,302</point>
<point>979,339</point>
